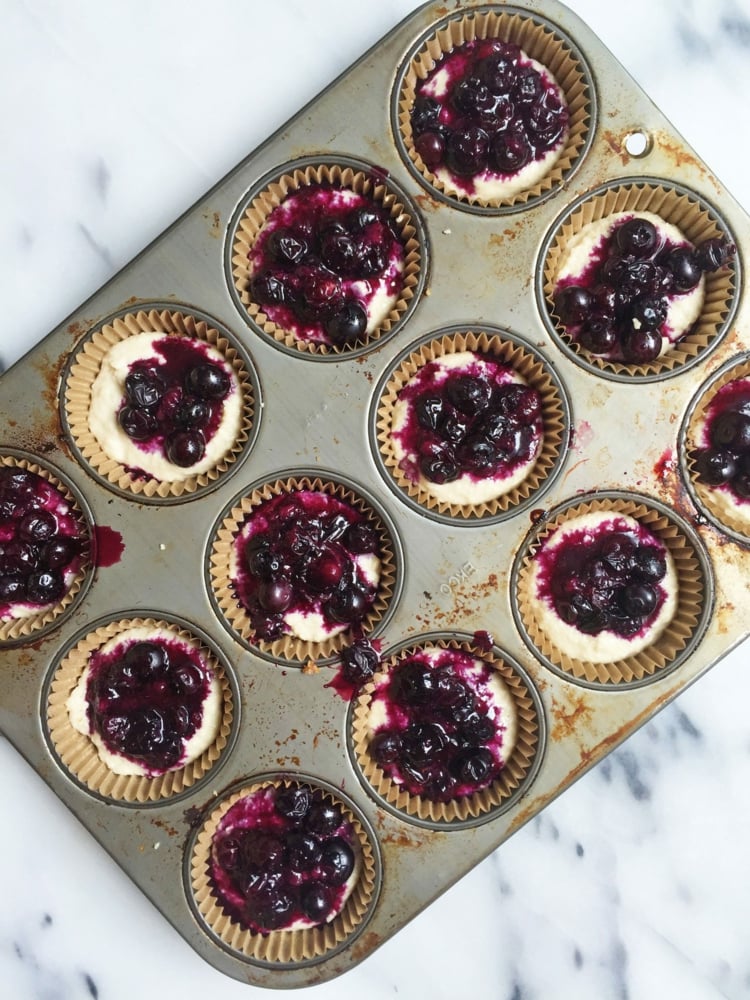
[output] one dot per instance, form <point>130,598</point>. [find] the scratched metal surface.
<point>481,269</point>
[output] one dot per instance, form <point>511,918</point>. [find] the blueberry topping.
<point>347,324</point>
<point>207,381</point>
<point>360,661</point>
<point>276,866</point>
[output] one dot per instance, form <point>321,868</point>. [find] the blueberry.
<point>360,661</point>
<point>641,346</point>
<point>468,393</point>
<point>185,448</point>
<point>276,595</point>
<point>286,247</point>
<point>638,600</point>
<point>473,766</point>
<point>422,741</point>
<point>528,87</point>
<point>147,660</point>
<point>424,114</point>
<point>208,381</point>
<point>683,264</point>
<point>385,747</point>
<point>37,526</point>
<point>650,312</point>
<point>144,388</point>
<point>510,151</point>
<point>347,324</point>
<point>361,538</point>
<point>599,336</point>
<point>337,862</point>
<point>714,253</point>
<point>12,587</point>
<point>637,237</point>
<point>468,151</point>
<point>573,303</point>
<point>498,71</point>
<point>324,818</point>
<point>293,802</point>
<point>139,425</point>
<point>270,909</point>
<point>315,900</point>
<point>470,96</point>
<point>431,148</point>
<point>730,429</point>
<point>439,468</point>
<point>192,412</point>
<point>338,251</point>
<point>428,410</point>
<point>303,851</point>
<point>716,466</point>
<point>268,289</point>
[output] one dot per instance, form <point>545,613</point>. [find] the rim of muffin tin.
<point>284,180</point>
<point>416,810</point>
<point>276,940</point>
<point>735,368</point>
<point>21,631</point>
<point>685,353</point>
<point>288,651</point>
<point>133,791</point>
<point>557,413</point>
<point>580,138</point>
<point>118,478</point>
<point>603,679</point>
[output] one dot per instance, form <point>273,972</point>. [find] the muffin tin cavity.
<point>714,447</point>
<point>326,258</point>
<point>46,530</point>
<point>698,221</point>
<point>452,714</point>
<point>311,557</point>
<point>679,635</point>
<point>279,948</point>
<point>541,41</point>
<point>166,406</point>
<point>77,754</point>
<point>490,427</point>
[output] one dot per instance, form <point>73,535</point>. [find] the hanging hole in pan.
<point>638,143</point>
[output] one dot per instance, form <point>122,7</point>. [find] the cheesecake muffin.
<point>283,870</point>
<point>159,403</point>
<point>494,108</point>
<point>444,730</point>
<point>325,260</point>
<point>467,429</point>
<point>611,590</point>
<point>719,449</point>
<point>471,424</point>
<point>630,286</point>
<point>149,702</point>
<point>639,280</point>
<point>139,709</point>
<point>44,547</point>
<point>301,567</point>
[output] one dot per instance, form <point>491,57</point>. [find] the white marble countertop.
<point>632,885</point>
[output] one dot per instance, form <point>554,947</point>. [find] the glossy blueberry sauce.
<point>320,260</point>
<point>174,401</point>
<point>443,734</point>
<point>485,111</point>
<point>282,855</point>
<point>40,542</point>
<point>145,700</point>
<point>723,458</point>
<point>302,552</point>
<point>604,578</point>
<point>473,421</point>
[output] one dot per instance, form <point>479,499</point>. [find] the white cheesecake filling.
<point>78,705</point>
<point>468,488</point>
<point>606,647</point>
<point>108,393</point>
<point>588,246</point>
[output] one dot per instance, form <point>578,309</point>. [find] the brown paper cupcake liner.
<point>509,780</point>
<point>692,598</point>
<point>236,617</point>
<point>85,366</point>
<point>697,222</point>
<point>281,946</point>
<point>711,498</point>
<point>530,368</point>
<point>540,41</point>
<point>260,207</point>
<point>19,628</point>
<point>79,755</point>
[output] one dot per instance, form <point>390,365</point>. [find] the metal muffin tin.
<point>478,268</point>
